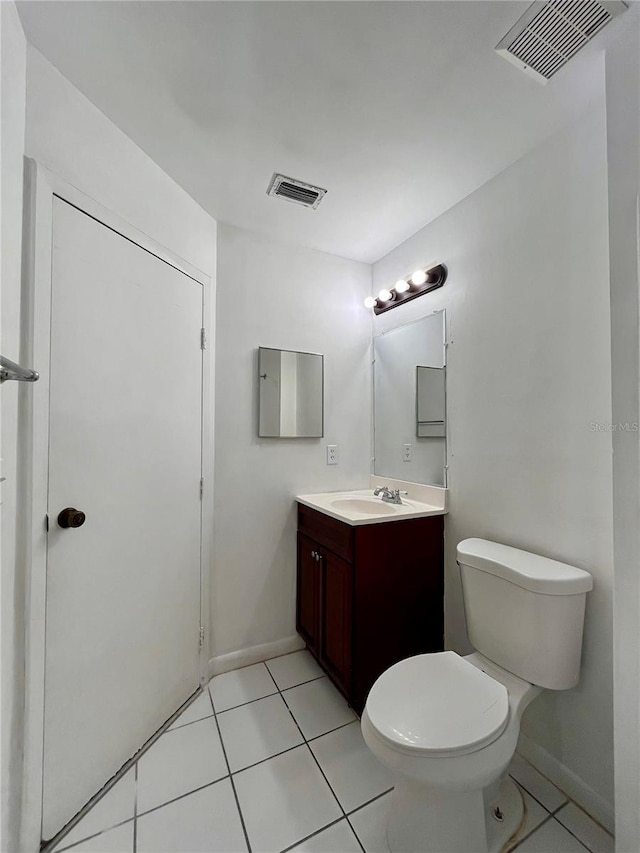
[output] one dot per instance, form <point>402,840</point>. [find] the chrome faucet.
<point>390,496</point>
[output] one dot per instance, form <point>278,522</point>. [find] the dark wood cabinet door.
<point>308,593</point>
<point>336,582</point>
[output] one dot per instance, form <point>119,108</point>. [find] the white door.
<point>123,589</point>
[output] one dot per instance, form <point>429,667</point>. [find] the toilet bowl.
<point>447,726</point>
<point>448,751</point>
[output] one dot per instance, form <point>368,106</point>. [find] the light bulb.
<point>402,286</point>
<point>370,302</point>
<point>385,295</point>
<point>419,277</point>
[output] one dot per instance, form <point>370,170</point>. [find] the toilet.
<point>447,726</point>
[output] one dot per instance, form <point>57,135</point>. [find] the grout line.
<point>93,835</point>
<point>293,686</point>
<point>524,838</point>
<point>306,743</point>
<point>313,835</point>
<point>135,808</point>
<point>368,803</point>
<point>231,780</point>
<point>175,728</point>
<point>533,796</point>
<point>181,796</point>
<point>577,837</point>
<point>357,837</point>
<point>324,776</point>
<point>573,802</point>
<point>242,704</point>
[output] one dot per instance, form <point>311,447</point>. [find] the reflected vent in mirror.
<point>550,33</point>
<point>296,191</point>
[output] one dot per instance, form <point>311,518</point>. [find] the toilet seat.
<point>437,704</point>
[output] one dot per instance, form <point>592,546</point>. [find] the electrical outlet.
<point>332,454</point>
<point>406,453</point>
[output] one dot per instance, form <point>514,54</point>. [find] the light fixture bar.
<point>417,284</point>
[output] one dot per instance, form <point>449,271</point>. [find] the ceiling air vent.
<point>550,33</point>
<point>296,191</point>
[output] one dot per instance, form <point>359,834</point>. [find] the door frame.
<point>41,187</point>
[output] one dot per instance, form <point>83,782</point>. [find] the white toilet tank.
<point>524,612</point>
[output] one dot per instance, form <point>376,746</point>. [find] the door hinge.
<point>203,338</point>
<point>201,487</point>
<point>201,636</point>
<point>46,523</point>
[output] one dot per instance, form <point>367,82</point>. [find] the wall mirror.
<point>410,402</point>
<point>290,394</point>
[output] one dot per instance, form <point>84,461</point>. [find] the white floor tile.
<point>354,773</point>
<point>370,825</point>
<point>587,830</point>
<point>180,761</point>
<point>318,707</point>
<point>257,731</point>
<point>293,669</point>
<point>284,799</point>
<point>205,822</point>
<point>240,686</point>
<point>536,784</point>
<point>118,840</point>
<point>551,837</point>
<point>197,710</point>
<point>338,838</point>
<point>115,807</point>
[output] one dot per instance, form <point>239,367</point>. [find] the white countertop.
<point>360,506</point>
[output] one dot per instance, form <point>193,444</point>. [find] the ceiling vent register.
<point>550,33</point>
<point>296,191</point>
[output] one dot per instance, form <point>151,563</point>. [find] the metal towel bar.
<point>10,370</point>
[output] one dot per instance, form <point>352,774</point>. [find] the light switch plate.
<point>332,454</point>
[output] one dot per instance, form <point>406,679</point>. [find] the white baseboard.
<point>254,654</point>
<point>565,779</point>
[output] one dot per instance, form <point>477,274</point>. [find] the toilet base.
<point>424,819</point>
<point>511,807</point>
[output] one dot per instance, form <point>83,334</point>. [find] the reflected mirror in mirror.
<point>290,396</point>
<point>430,402</point>
<point>410,402</point>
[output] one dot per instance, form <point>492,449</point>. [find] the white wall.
<point>13,51</point>
<point>285,297</point>
<point>528,371</point>
<point>67,134</point>
<point>623,143</point>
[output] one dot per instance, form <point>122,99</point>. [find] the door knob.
<point>71,517</point>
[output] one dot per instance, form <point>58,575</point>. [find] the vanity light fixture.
<point>405,289</point>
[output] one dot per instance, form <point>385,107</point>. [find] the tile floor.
<point>270,758</point>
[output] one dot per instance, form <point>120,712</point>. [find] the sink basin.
<point>363,507</point>
<point>370,506</point>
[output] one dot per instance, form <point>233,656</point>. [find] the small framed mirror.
<point>290,394</point>
<point>430,402</point>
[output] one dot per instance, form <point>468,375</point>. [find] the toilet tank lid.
<point>529,571</point>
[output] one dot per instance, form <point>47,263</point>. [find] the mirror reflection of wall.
<point>403,449</point>
<point>290,394</point>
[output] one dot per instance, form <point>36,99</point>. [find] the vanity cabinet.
<point>368,595</point>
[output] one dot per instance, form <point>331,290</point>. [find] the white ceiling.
<point>399,109</point>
